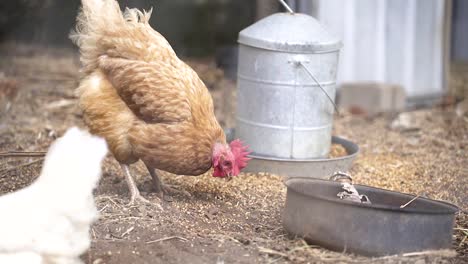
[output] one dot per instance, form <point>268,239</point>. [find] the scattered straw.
<point>167,238</point>
<point>409,202</point>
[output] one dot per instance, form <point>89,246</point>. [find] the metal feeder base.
<point>315,168</point>
<point>313,211</point>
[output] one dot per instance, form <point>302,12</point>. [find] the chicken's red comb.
<point>240,153</point>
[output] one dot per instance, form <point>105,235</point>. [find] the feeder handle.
<point>286,6</point>
<point>318,83</point>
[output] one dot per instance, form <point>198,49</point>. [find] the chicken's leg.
<point>135,194</point>
<point>162,189</point>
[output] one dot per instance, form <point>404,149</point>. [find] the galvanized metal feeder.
<point>286,85</point>
<point>282,111</point>
<point>286,89</point>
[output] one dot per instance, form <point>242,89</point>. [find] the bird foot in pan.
<point>351,194</point>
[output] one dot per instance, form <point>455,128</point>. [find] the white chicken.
<point>49,221</point>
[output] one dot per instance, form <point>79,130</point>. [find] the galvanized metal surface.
<point>316,168</point>
<point>282,111</point>
<point>313,211</point>
<point>290,32</point>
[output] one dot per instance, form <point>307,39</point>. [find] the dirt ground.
<point>227,222</point>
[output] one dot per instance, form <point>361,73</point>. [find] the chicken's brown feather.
<point>154,91</point>
<point>107,115</point>
<point>139,96</point>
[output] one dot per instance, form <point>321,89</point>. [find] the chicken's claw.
<point>135,196</point>
<point>137,200</point>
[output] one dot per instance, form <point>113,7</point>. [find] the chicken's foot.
<point>163,190</point>
<point>135,196</point>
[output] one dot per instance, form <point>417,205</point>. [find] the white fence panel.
<point>388,41</point>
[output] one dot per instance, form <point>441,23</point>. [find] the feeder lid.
<point>291,33</point>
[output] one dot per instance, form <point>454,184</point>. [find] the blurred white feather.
<point>49,221</point>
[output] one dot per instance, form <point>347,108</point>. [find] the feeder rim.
<point>352,147</point>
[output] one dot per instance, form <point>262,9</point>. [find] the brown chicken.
<point>147,103</point>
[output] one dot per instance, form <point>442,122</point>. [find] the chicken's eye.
<point>227,163</point>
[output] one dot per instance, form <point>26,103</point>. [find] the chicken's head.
<point>229,160</point>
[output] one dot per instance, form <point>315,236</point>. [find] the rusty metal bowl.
<point>313,211</point>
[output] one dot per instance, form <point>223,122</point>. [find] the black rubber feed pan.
<point>313,211</point>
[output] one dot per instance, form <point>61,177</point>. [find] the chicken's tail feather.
<point>94,18</point>
<point>136,16</point>
<point>98,20</point>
